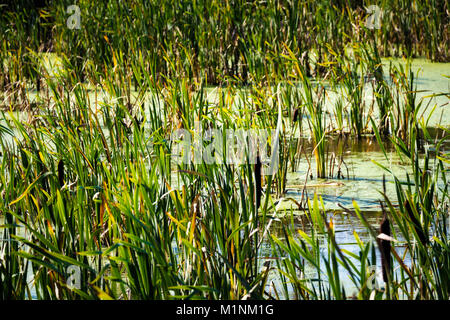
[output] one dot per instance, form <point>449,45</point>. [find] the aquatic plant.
<point>95,207</point>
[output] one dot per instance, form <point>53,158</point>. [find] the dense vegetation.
<point>86,177</point>
<point>218,40</point>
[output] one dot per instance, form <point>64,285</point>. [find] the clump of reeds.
<point>91,184</point>
<point>186,36</point>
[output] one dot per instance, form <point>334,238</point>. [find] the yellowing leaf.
<point>26,191</point>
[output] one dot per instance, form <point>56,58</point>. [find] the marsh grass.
<point>88,179</point>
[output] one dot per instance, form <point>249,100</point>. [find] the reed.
<point>87,176</point>
<point>189,32</point>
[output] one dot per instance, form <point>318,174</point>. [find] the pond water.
<point>362,177</point>
<point>346,225</point>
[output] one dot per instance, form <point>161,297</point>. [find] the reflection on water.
<point>346,226</point>
<point>362,178</point>
<point>363,184</point>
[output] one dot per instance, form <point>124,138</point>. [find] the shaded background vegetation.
<point>218,39</point>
